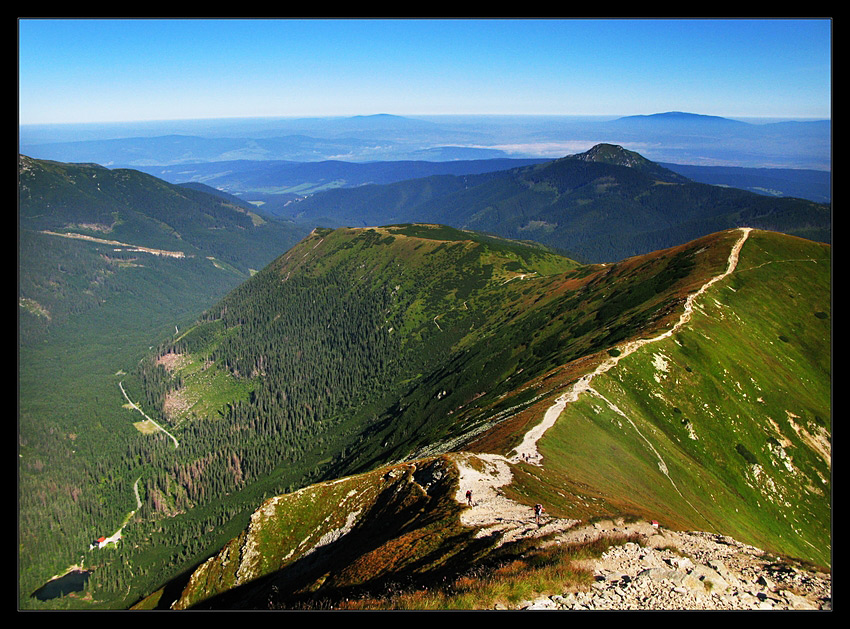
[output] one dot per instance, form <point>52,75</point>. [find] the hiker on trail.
<point>538,511</point>
<point>469,497</point>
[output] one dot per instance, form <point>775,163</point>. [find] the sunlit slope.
<point>726,425</point>
<point>408,340</point>
<point>127,208</point>
<point>340,347</point>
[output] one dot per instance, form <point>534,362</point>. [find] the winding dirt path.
<point>491,510</point>
<point>485,474</point>
<point>527,450</point>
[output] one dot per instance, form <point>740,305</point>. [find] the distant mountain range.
<point>814,185</point>
<point>601,206</point>
<point>679,119</point>
<point>274,183</point>
<point>271,179</point>
<point>673,137</point>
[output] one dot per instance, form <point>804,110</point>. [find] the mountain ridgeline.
<point>90,235</point>
<point>130,206</point>
<point>361,348</point>
<point>603,205</point>
<point>344,338</point>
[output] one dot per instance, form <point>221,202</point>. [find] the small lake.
<point>74,581</point>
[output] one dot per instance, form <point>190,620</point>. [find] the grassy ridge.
<point>748,455</point>
<point>387,539</point>
<point>338,538</point>
<point>457,340</point>
<point>442,291</point>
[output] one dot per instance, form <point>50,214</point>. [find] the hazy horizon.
<point>447,116</point>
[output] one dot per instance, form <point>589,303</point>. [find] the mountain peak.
<point>616,155</point>
<point>613,154</point>
<point>680,116</point>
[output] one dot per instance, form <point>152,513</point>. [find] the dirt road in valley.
<point>132,404</point>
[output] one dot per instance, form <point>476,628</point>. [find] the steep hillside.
<point>137,209</point>
<point>352,534</point>
<point>655,388</point>
<point>338,345</point>
<point>87,234</point>
<point>600,206</point>
<point>724,425</point>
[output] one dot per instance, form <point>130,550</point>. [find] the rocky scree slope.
<point>690,570</point>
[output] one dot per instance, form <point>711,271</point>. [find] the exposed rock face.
<point>692,571</point>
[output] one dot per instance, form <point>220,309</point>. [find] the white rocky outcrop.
<point>674,570</point>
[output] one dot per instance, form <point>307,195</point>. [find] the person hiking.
<point>538,511</point>
<point>469,497</point>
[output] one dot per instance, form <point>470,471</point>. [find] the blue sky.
<point>130,70</point>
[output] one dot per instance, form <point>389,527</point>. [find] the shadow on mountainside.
<point>410,536</point>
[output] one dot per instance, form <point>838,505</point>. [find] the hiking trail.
<point>485,474</point>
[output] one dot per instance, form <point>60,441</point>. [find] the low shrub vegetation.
<point>519,573</point>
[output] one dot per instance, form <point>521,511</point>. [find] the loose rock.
<point>690,571</point>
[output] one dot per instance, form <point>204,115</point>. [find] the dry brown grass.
<point>524,573</point>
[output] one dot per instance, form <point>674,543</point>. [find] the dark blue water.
<point>74,581</point>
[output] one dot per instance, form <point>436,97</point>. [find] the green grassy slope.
<point>390,341</point>
<point>726,426</point>
<point>131,207</point>
<point>329,337</point>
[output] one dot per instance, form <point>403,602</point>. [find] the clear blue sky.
<point>128,70</point>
